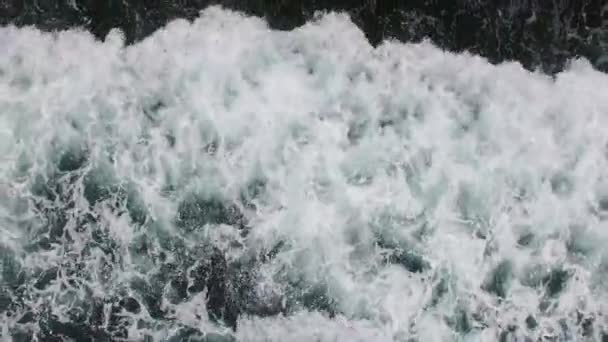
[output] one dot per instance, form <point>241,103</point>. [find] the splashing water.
<point>220,181</point>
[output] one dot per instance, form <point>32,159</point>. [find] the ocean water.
<point>221,181</point>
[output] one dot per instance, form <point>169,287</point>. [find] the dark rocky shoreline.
<point>539,34</point>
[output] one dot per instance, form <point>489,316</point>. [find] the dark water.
<point>537,33</point>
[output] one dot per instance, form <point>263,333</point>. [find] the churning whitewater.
<point>221,181</point>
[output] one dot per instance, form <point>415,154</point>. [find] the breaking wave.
<point>222,181</point>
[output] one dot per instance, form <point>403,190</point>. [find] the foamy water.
<point>221,180</point>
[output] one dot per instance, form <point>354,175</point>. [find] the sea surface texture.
<point>221,180</point>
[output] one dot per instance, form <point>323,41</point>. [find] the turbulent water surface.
<point>221,181</point>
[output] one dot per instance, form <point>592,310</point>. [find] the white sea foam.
<point>449,157</point>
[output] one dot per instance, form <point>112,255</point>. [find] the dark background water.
<point>539,33</point>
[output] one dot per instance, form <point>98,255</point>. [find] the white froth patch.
<point>355,142</point>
